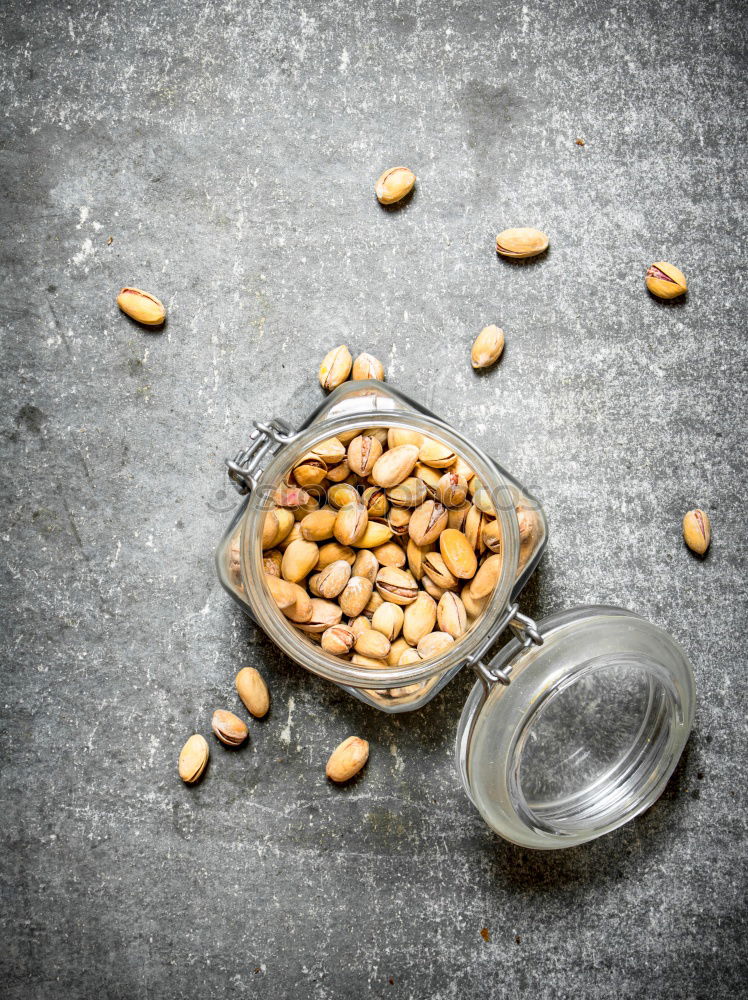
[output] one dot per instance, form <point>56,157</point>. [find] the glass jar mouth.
<point>302,650</point>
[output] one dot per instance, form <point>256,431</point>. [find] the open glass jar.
<point>588,728</point>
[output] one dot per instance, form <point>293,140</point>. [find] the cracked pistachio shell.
<point>341,494</point>
<point>367,366</point>
<point>229,728</point>
<point>396,585</point>
<point>458,554</point>
<point>312,585</point>
<point>394,465</point>
<point>253,691</point>
<point>338,640</point>
<point>458,515</point>
<point>310,470</point>
<point>491,535</point>
<point>411,492</point>
<point>487,347</point>
<point>142,306</point>
<point>193,759</point>
<point>416,555</point>
<point>697,531</point>
<point>351,523</point>
<point>390,554</point>
<point>451,490</point>
<point>324,614</point>
<point>318,526</point>
<point>355,596</point>
<point>394,184</point>
<point>271,562</point>
<point>366,564</point>
<point>299,559</point>
<point>388,619</point>
<point>363,452</point>
<point>665,281</point>
<point>335,367</point>
<point>331,552</point>
<point>347,759</point>
<point>301,610</point>
<point>461,468</point>
<point>428,476</point>
<point>398,519</point>
<point>331,451</point>
<point>291,496</point>
<point>282,592</point>
<point>486,578</point>
<point>402,435</point>
<point>373,644</point>
<point>431,588</point>
<point>397,648</point>
<point>375,500</point>
<point>419,618</point>
<point>427,522</point>
<point>338,473</point>
<point>438,572</point>
<point>435,454</point>
<point>376,534</point>
<point>332,580</point>
<point>521,243</point>
<point>451,615</point>
<point>276,527</point>
<point>473,528</point>
<point>434,644</point>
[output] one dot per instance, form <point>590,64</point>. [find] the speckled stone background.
<point>229,150</point>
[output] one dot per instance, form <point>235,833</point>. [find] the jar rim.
<point>301,649</point>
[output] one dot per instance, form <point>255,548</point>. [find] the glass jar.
<point>572,728</point>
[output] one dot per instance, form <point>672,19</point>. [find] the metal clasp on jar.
<point>524,628</point>
<point>244,470</point>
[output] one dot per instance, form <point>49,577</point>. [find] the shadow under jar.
<point>572,728</point>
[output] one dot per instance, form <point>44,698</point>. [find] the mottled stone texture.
<point>230,150</point>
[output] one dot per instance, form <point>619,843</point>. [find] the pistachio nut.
<point>486,578</point>
<point>458,515</point>
<point>402,435</point>
<point>366,661</point>
<point>451,615</point>
<point>290,496</point>
<point>375,500</point>
<point>281,591</point>
<point>487,347</point>
<point>324,614</point>
<point>341,494</point>
<point>416,555</point>
<point>407,656</point>
<point>366,564</point>
<point>665,281</point>
<point>360,624</point>
<point>390,554</point>
<point>347,759</point>
<point>473,529</point>
<point>427,522</point>
<point>338,640</point>
<point>451,490</point>
<point>293,536</point>
<point>318,526</point>
<point>312,504</point>
<point>366,366</point>
<point>331,450</point>
<point>394,184</point>
<point>430,477</point>
<point>355,596</point>
<point>299,559</point>
<point>380,433</point>
<point>229,728</point>
<point>434,644</point>
<point>335,367</point>
<point>372,643</point>
<point>419,618</point>
<point>301,610</point>
<point>312,583</point>
<point>270,530</point>
<point>345,437</point>
<point>351,523</point>
<point>193,759</point>
<point>388,619</point>
<point>394,465</point>
<point>141,306</point>
<point>491,535</point>
<point>481,497</point>
<point>310,470</point>
<point>435,454</point>
<point>333,579</point>
<point>409,493</point>
<point>458,554</point>
<point>253,691</point>
<point>271,562</point>
<point>338,473</point>
<point>397,648</point>
<point>330,552</point>
<point>431,588</point>
<point>461,468</point>
<point>473,606</point>
<point>697,531</point>
<point>398,520</point>
<point>437,570</point>
<point>521,243</point>
<point>376,534</point>
<point>363,452</point>
<point>374,602</point>
<point>396,585</point>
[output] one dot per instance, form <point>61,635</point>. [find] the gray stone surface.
<point>230,150</point>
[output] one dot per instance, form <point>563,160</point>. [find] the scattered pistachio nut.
<point>366,366</point>
<point>487,347</point>
<point>335,368</point>
<point>697,531</point>
<point>394,184</point>
<point>141,306</point>
<point>665,281</point>
<point>253,691</point>
<point>347,759</point>
<point>229,728</point>
<point>193,759</point>
<point>521,243</point>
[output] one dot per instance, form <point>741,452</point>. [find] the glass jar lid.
<point>562,742</point>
